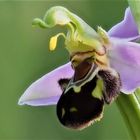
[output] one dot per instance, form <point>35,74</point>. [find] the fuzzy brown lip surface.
<point>88,107</point>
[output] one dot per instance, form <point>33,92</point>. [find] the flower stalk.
<point>130,110</point>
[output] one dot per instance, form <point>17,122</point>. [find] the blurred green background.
<point>24,57</point>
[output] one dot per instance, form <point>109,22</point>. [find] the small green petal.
<point>104,36</point>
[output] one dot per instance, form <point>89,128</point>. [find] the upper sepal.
<point>126,29</point>
<point>77,107</point>
<point>84,95</point>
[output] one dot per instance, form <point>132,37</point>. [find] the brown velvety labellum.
<point>85,107</point>
<point>77,109</point>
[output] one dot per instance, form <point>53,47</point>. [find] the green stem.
<point>130,109</point>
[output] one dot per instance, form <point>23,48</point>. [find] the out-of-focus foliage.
<point>24,57</point>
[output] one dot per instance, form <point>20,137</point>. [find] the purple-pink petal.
<point>125,59</point>
<point>46,90</point>
<point>126,29</point>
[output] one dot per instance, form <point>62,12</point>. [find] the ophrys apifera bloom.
<point>101,65</point>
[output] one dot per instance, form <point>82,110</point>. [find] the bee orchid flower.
<point>101,65</point>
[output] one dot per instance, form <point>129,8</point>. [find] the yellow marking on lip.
<point>63,112</point>
<point>97,92</point>
<point>73,109</point>
<point>77,89</point>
